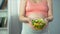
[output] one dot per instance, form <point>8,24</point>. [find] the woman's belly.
<point>36,15</point>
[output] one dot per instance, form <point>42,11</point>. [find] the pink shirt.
<point>38,8</point>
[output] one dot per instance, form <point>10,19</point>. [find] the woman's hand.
<point>30,23</point>
<point>46,20</point>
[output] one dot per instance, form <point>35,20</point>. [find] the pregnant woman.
<point>35,9</point>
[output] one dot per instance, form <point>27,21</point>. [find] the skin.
<point>23,18</point>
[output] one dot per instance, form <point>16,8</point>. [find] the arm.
<point>50,12</point>
<point>22,11</point>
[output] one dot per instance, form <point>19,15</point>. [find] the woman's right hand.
<point>30,23</point>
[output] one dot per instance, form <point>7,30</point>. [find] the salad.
<point>38,24</point>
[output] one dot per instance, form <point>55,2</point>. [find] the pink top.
<point>38,8</point>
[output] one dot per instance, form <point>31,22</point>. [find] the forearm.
<point>49,19</point>
<point>23,19</point>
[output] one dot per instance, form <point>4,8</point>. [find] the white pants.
<point>27,30</point>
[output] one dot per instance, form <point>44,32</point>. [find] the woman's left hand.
<point>46,20</point>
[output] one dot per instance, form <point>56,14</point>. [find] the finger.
<point>46,20</point>
<point>30,24</point>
